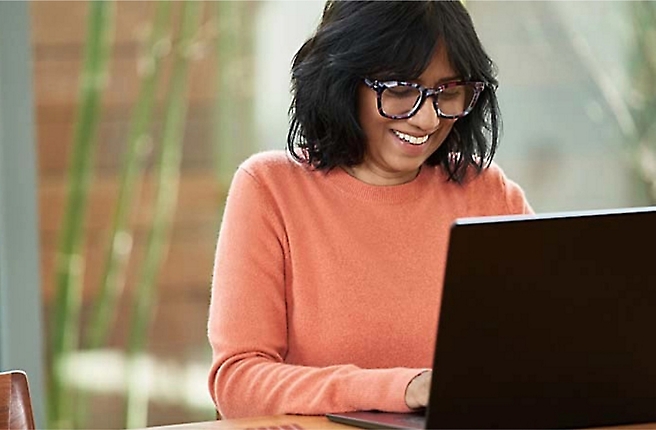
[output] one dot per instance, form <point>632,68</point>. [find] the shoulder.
<point>491,177</point>
<point>491,191</point>
<point>277,175</point>
<point>488,179</point>
<point>508,193</point>
<point>273,163</point>
<point>267,161</point>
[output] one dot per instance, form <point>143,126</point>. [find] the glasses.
<point>401,100</point>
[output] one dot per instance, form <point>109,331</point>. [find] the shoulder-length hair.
<point>395,40</point>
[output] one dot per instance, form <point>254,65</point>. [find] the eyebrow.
<point>439,82</point>
<point>448,79</point>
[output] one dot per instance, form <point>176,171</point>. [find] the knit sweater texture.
<point>326,290</point>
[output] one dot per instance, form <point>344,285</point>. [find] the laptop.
<point>546,321</point>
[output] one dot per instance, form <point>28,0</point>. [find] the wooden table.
<point>280,422</point>
<point>297,422</point>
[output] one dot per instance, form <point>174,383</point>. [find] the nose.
<point>426,117</point>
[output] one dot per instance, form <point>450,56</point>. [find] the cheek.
<point>370,120</point>
<point>445,129</point>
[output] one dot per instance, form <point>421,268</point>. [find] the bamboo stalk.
<point>139,138</point>
<point>120,245</point>
<point>70,260</point>
<point>168,180</point>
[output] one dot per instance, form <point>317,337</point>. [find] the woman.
<point>330,258</point>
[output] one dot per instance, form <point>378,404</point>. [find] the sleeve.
<point>247,326</point>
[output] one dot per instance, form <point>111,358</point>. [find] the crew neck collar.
<point>405,192</point>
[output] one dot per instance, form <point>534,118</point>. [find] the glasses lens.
<point>454,101</point>
<point>399,99</point>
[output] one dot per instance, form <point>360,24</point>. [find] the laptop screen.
<point>547,321</point>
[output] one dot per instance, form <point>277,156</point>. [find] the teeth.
<point>411,139</point>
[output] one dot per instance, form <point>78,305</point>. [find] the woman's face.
<point>390,159</point>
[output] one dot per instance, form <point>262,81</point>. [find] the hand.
<point>416,394</point>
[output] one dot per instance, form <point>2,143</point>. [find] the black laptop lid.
<point>548,322</point>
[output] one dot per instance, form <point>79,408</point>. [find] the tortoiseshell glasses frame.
<point>471,89</point>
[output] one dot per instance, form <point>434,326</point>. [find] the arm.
<point>248,326</point>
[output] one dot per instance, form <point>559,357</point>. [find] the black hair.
<point>397,40</point>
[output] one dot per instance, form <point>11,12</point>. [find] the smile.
<point>412,140</point>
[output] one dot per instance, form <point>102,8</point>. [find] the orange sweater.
<point>326,289</point>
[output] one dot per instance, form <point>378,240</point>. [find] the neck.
<point>380,178</point>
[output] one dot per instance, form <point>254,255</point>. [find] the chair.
<point>15,404</point>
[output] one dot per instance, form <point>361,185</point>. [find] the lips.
<point>412,140</point>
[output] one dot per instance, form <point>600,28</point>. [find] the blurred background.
<point>143,110</point>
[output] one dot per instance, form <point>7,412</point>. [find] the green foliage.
<point>70,260</point>
<point>168,168</point>
<point>65,409</point>
<point>138,145</point>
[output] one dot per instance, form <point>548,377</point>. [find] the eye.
<point>452,93</point>
<point>402,91</point>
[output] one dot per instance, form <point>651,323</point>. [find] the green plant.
<point>70,258</point>
<point>168,169</point>
<point>139,141</point>
<point>66,409</point>
<point>138,145</point>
